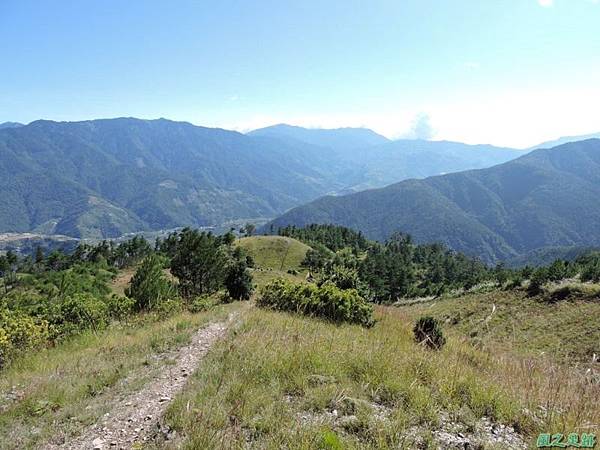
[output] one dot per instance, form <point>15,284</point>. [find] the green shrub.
<point>119,306</point>
<point>18,331</point>
<point>427,330</point>
<point>342,277</point>
<point>537,281</point>
<point>200,304</point>
<point>591,271</point>
<point>327,301</point>
<point>76,313</point>
<point>168,307</point>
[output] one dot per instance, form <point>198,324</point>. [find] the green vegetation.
<point>428,331</point>
<point>546,198</point>
<point>286,381</point>
<point>331,237</point>
<point>149,286</point>
<point>47,299</point>
<point>238,281</point>
<point>326,301</point>
<point>105,178</point>
<point>317,363</point>
<point>199,262</point>
<point>567,330</point>
<point>381,162</point>
<point>278,253</point>
<point>387,272</point>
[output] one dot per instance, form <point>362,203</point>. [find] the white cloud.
<point>512,116</point>
<point>420,128</point>
<point>546,3</point>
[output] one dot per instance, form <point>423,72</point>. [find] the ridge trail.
<point>136,418</point>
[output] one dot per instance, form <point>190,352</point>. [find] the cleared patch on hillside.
<point>121,281</point>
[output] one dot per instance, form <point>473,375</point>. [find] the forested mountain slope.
<point>369,160</point>
<point>105,177</point>
<point>545,198</point>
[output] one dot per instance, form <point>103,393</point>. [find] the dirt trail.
<point>137,417</point>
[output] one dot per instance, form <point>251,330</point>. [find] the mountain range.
<point>566,140</point>
<point>105,178</point>
<point>547,198</point>
<point>10,125</point>
<point>368,160</point>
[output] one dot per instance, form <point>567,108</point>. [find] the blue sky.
<point>480,71</point>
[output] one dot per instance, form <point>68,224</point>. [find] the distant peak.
<point>10,125</point>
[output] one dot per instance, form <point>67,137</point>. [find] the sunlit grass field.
<point>285,381</point>
<point>54,393</point>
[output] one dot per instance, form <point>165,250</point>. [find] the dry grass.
<point>276,381</point>
<point>58,391</point>
<point>121,281</point>
<point>567,329</point>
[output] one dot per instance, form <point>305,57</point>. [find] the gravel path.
<point>136,418</point>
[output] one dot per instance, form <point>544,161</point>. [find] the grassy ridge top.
<point>275,252</point>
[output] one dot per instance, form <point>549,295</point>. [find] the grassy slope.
<point>58,391</point>
<point>276,252</point>
<point>566,329</point>
<point>276,382</point>
<point>274,256</point>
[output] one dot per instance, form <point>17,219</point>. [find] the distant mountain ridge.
<point>547,198</point>
<point>371,160</point>
<point>104,178</point>
<point>566,140</point>
<point>339,139</point>
<point>10,125</point>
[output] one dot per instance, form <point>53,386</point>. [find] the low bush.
<point>238,281</point>
<point>326,301</point>
<point>591,271</point>
<point>119,306</point>
<point>428,331</point>
<point>18,331</point>
<point>200,304</point>
<point>76,313</point>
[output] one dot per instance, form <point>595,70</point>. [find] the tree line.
<point>400,268</point>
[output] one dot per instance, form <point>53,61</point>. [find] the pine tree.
<point>239,281</point>
<point>199,263</point>
<point>149,286</point>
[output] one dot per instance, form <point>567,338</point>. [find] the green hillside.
<point>548,198</point>
<point>275,252</point>
<point>515,322</point>
<point>104,178</point>
<point>142,342</point>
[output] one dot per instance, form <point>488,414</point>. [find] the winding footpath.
<point>136,418</point>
